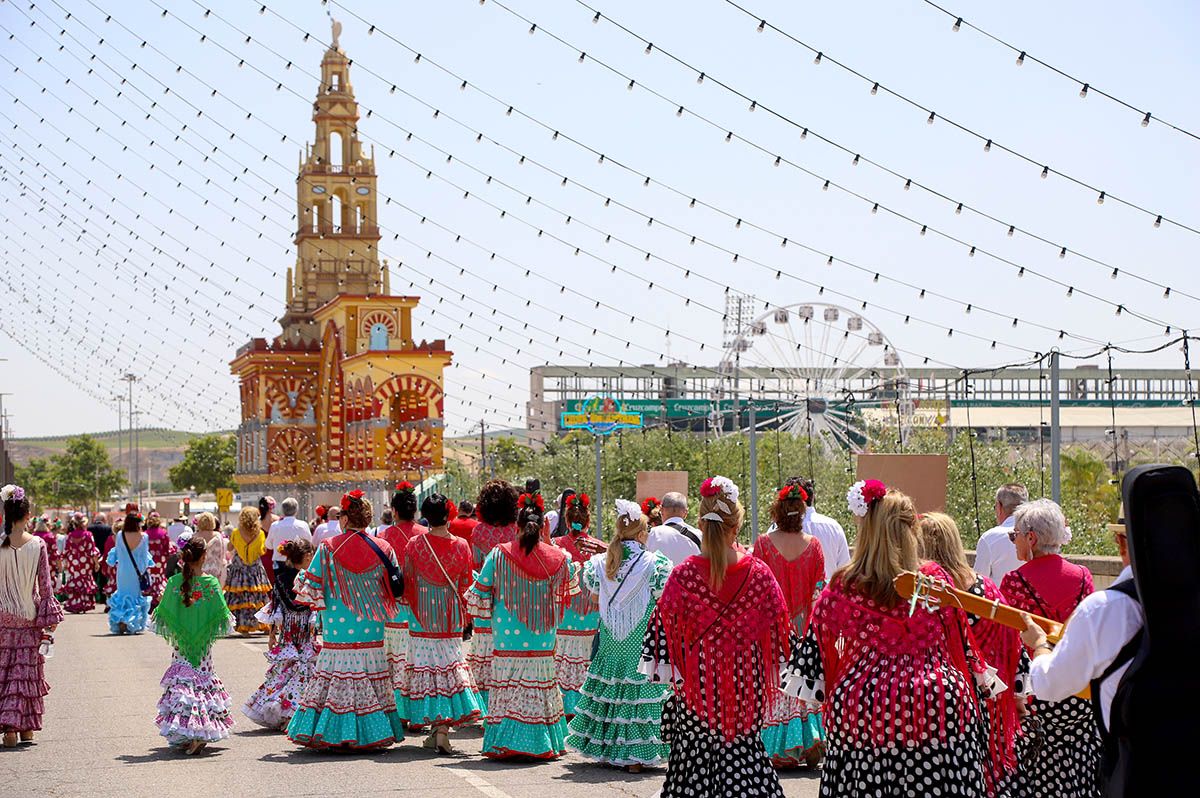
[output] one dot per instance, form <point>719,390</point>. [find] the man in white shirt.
<point>328,529</point>
<point>288,527</point>
<point>675,537</point>
<point>177,528</point>
<point>1099,628</point>
<point>995,554</point>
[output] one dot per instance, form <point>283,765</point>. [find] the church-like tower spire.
<point>338,232</point>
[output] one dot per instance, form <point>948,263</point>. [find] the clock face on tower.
<point>318,189</point>
<point>363,190</point>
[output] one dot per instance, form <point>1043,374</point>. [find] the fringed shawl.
<point>894,667</point>
<point>534,587</point>
<point>726,646</point>
<point>436,603</point>
<point>800,579</point>
<point>192,629</point>
<point>631,589</point>
<point>356,574</point>
<point>1000,647</point>
<point>485,537</point>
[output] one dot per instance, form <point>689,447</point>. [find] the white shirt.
<point>286,528</point>
<point>673,543</point>
<point>552,520</point>
<point>175,530</point>
<point>326,530</point>
<point>995,554</point>
<point>1097,631</point>
<point>833,540</point>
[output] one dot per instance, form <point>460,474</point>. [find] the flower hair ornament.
<point>579,500</point>
<point>353,497</point>
<point>792,493</point>
<point>723,488</point>
<point>532,501</point>
<point>184,538</point>
<point>863,495</point>
<point>12,493</point>
<point>629,510</point>
<point>650,505</point>
<point>404,486</point>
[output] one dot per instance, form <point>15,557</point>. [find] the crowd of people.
<point>668,644</point>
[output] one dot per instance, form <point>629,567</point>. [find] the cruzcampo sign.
<point>600,415</point>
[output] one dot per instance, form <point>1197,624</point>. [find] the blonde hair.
<point>206,522</point>
<point>886,546</point>
<point>625,530</point>
<point>715,543</point>
<point>940,542</point>
<point>248,521</point>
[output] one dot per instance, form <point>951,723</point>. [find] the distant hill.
<point>158,449</point>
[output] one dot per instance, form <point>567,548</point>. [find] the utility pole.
<point>133,474</point>
<point>753,473</point>
<point>120,428</point>
<point>482,448</point>
<point>1055,432</point>
<point>4,475</point>
<point>599,487</point>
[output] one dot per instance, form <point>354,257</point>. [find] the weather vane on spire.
<point>336,27</point>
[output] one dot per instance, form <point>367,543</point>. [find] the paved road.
<point>100,740</point>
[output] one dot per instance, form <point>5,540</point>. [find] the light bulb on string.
<point>957,24</point>
<point>1021,58</point>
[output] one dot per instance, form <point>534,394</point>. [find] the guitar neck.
<point>950,596</point>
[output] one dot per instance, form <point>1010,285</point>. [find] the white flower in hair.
<point>629,509</point>
<point>7,492</point>
<point>863,494</point>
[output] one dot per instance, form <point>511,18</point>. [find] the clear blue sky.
<point>92,301</point>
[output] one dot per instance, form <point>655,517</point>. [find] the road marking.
<point>479,783</point>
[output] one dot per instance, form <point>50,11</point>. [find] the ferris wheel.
<point>815,369</point>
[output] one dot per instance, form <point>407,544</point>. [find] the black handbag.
<point>144,584</point>
<point>395,578</point>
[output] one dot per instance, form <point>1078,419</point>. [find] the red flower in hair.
<point>649,505</point>
<point>322,511</point>
<point>873,490</point>
<point>793,492</point>
<point>350,498</point>
<point>451,510</point>
<point>405,486</point>
<point>581,500</point>
<point>531,500</point>
<point>708,489</point>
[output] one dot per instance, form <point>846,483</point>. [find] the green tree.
<point>37,479</point>
<point>208,463</point>
<point>82,475</point>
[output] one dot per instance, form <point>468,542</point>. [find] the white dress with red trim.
<point>577,632</point>
<point>349,701</point>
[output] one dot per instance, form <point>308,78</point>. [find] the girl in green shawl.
<point>194,708</point>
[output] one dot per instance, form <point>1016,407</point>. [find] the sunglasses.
<point>1012,536</point>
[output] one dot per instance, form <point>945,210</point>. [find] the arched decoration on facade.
<point>331,403</point>
<point>410,448</point>
<point>291,453</point>
<point>379,328</point>
<point>292,397</point>
<point>411,383</point>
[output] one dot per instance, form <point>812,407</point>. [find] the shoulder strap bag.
<point>468,626</point>
<point>394,577</point>
<point>143,576</point>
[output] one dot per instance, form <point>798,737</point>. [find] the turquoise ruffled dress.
<point>128,609</point>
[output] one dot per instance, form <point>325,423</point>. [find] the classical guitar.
<point>933,594</point>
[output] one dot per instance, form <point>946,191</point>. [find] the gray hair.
<point>1045,518</point>
<point>674,501</point>
<point>290,506</point>
<point>1011,496</point>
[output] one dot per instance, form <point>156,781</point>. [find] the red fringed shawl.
<point>726,645</point>
<point>1001,648</point>
<point>800,579</point>
<point>436,603</point>
<point>535,587</point>
<point>892,670</point>
<point>358,575</point>
<point>581,547</point>
<point>485,537</point>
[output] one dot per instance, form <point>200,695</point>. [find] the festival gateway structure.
<point>343,395</point>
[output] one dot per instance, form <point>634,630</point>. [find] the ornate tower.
<point>338,231</point>
<point>345,396</point>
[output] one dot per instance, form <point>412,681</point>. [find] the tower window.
<point>335,151</point>
<point>316,218</point>
<point>335,204</point>
<point>335,81</point>
<point>358,219</point>
<point>379,337</point>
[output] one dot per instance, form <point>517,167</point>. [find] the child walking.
<point>293,647</point>
<point>194,708</point>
